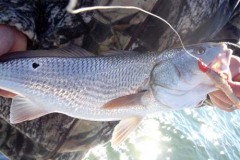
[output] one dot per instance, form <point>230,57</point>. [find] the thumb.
<point>11,40</point>
<point>6,38</point>
<point>235,85</point>
<point>19,41</point>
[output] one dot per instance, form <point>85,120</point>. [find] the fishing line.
<point>203,67</point>
<point>72,4</point>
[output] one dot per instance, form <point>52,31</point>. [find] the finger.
<point>6,39</point>
<point>220,104</point>
<point>235,87</point>
<point>6,94</point>
<point>236,78</point>
<point>234,66</point>
<point>235,71</point>
<point>11,39</point>
<point>20,42</point>
<point>222,96</point>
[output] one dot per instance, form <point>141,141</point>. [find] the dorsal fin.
<point>119,52</point>
<point>71,51</point>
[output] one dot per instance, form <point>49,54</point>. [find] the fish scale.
<point>82,86</point>
<point>92,89</point>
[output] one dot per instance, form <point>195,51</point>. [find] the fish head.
<point>215,56</point>
<point>178,82</point>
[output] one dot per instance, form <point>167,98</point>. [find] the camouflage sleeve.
<point>58,27</point>
<point>231,31</point>
<point>46,23</point>
<point>20,14</point>
<point>195,21</point>
<point>16,145</point>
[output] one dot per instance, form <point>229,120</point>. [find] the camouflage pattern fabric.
<point>48,25</point>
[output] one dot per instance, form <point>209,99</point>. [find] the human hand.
<point>218,98</point>
<point>11,40</point>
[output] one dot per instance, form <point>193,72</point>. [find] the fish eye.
<point>200,50</point>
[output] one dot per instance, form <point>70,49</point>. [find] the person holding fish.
<point>118,32</point>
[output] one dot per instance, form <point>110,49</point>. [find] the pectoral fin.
<point>124,128</point>
<point>23,109</point>
<point>129,100</point>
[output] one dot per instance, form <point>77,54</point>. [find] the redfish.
<point>125,86</point>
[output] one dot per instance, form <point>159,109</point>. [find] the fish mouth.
<point>221,62</point>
